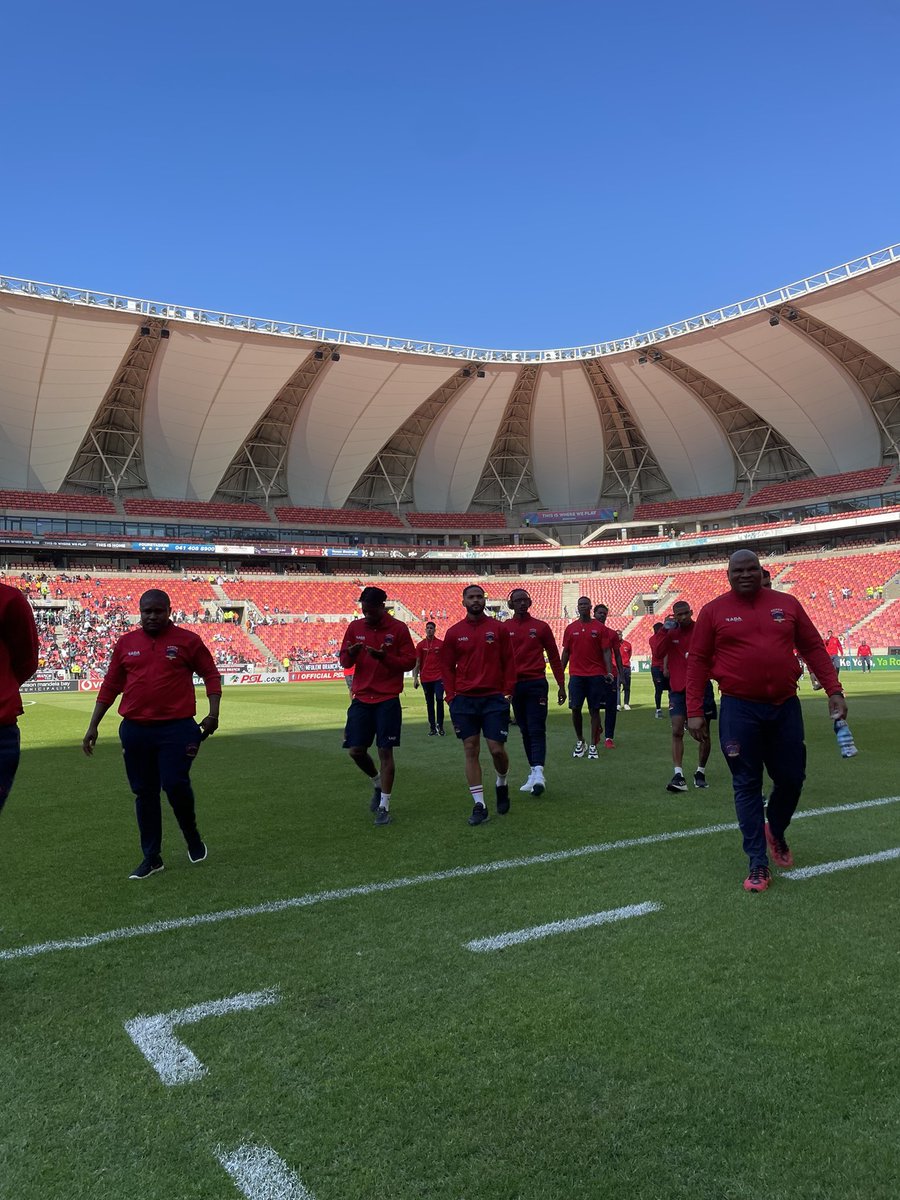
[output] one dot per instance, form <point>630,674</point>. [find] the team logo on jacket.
<point>389,639</point>
<point>171,651</point>
<point>489,637</point>
<point>532,633</point>
<point>777,614</point>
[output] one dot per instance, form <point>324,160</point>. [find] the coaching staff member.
<point>153,668</point>
<point>531,639</point>
<point>478,668</point>
<point>18,662</point>
<point>746,640</point>
<point>380,649</point>
<point>427,671</point>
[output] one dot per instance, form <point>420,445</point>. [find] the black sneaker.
<point>502,798</point>
<point>148,867</point>
<point>479,815</point>
<point>375,802</point>
<point>432,732</point>
<point>440,731</point>
<point>678,783</point>
<point>197,851</point>
<point>700,779</point>
<point>383,817</point>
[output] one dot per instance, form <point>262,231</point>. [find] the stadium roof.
<point>109,393</point>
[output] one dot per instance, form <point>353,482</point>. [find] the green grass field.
<point>725,1046</point>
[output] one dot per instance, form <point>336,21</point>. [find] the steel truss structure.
<point>507,478</point>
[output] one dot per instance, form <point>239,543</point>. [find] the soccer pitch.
<point>706,1044</point>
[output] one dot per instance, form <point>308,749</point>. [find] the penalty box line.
<point>390,885</point>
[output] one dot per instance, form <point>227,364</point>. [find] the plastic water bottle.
<point>845,741</point>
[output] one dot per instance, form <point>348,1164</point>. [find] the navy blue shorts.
<point>587,687</point>
<point>379,723</point>
<point>480,714</point>
<point>678,704</point>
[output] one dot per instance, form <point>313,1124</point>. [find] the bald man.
<point>746,640</point>
<point>153,668</point>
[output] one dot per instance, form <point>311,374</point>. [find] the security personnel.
<point>153,667</point>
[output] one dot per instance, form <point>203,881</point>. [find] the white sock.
<point>678,771</point>
<point>386,800</point>
<point>501,780</point>
<point>701,771</point>
<point>478,794</point>
<point>538,772</point>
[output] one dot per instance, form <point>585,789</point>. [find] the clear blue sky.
<point>510,173</point>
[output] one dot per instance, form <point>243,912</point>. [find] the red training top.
<point>586,641</point>
<point>864,650</point>
<point>626,650</point>
<point>18,650</point>
<point>656,659</point>
<point>155,674</point>
<point>676,645</point>
<point>833,646</point>
<point>477,659</point>
<point>377,679</point>
<point>530,638</point>
<point>614,641</point>
<point>747,643</point>
<point>428,659</point>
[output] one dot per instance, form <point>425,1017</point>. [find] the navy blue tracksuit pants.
<point>756,736</point>
<point>434,699</point>
<point>9,759</point>
<point>529,705</point>
<point>158,755</point>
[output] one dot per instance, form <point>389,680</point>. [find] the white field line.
<point>389,885</point>
<point>169,1057</point>
<point>841,864</point>
<point>259,1174</point>
<point>501,940</point>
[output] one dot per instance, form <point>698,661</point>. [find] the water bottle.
<point>845,741</point>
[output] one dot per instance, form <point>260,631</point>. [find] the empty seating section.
<point>126,590</point>
<point>339,518</point>
<point>56,502</point>
<point>667,509</point>
<point>818,586</point>
<point>824,485</point>
<point>459,520</point>
<point>195,510</point>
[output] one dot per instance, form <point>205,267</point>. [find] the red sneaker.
<point>779,849</point>
<point>758,879</point>
<point>610,744</point>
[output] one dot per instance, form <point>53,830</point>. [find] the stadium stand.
<point>458,520</point>
<point>195,510</point>
<point>333,518</point>
<point>55,502</point>
<point>825,485</point>
<point>664,510</point>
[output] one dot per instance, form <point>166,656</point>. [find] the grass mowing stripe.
<point>389,885</point>
<point>501,940</point>
<point>841,864</point>
<point>259,1174</point>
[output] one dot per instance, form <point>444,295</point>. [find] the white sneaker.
<point>618,708</point>
<point>526,786</point>
<point>538,783</point>
<point>579,750</point>
<point>658,713</point>
<point>628,708</point>
<point>592,752</point>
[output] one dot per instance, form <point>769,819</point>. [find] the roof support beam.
<point>507,478</point>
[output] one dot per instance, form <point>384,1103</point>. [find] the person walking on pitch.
<point>611,686</point>
<point>381,650</point>
<point>587,654</point>
<point>675,645</point>
<point>746,640</point>
<point>479,672</point>
<point>533,645</point>
<point>19,647</point>
<point>152,668</point>
<point>427,671</point>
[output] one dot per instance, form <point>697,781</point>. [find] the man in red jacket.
<point>746,640</point>
<point>153,668</point>
<point>18,662</point>
<point>427,671</point>
<point>864,653</point>
<point>478,668</point>
<point>381,649</point>
<point>531,640</point>
<point>834,650</point>
<point>675,645</point>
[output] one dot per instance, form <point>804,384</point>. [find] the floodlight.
<point>773,320</point>
<point>335,357</point>
<point>318,354</point>
<point>145,331</point>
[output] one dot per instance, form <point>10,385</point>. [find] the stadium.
<point>353,1008</point>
